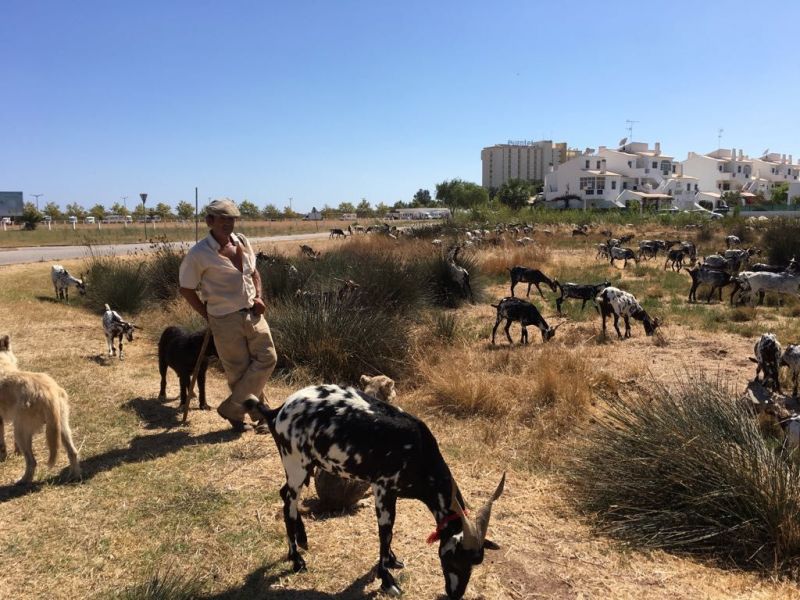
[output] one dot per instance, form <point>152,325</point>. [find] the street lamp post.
<point>144,199</point>
<point>37,199</point>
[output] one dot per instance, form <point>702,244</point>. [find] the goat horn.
<point>482,520</point>
<point>471,540</point>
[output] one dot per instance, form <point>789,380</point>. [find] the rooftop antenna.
<point>720,131</point>
<point>630,128</point>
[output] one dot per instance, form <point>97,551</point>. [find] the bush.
<point>122,284</point>
<point>442,289</point>
<point>687,470</point>
<point>168,585</point>
<point>782,241</point>
<point>162,270</point>
<point>338,342</point>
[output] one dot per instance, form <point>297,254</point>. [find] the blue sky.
<point>332,101</point>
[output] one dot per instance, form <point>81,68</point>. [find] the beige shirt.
<point>220,283</point>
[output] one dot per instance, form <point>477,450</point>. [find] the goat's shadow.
<point>99,359</point>
<point>49,299</point>
<point>259,585</point>
<point>154,413</point>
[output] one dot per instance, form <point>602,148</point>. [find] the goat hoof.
<point>392,590</point>
<point>205,407</point>
<point>299,565</point>
<point>395,563</point>
<point>162,397</point>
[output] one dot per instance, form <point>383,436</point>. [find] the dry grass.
<point>204,502</point>
<point>496,261</point>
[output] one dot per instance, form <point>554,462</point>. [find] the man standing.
<point>222,267</point>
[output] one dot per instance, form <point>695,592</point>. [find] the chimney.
<point>741,154</point>
<point>733,153</point>
<point>790,159</point>
<point>658,148</point>
<point>603,166</point>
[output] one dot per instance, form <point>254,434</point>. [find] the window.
<point>655,164</point>
<point>624,185</point>
<point>739,169</point>
<point>598,165</point>
<point>613,184</point>
<point>720,168</point>
<point>630,164</point>
<point>673,168</point>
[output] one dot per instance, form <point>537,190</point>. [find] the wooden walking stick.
<point>195,372</point>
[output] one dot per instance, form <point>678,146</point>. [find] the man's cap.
<point>223,207</point>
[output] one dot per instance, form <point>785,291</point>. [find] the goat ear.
<point>490,545</point>
<point>364,380</point>
<point>751,359</point>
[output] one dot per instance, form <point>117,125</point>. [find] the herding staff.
<point>195,372</point>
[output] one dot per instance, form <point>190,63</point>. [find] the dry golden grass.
<point>205,501</point>
<point>497,260</point>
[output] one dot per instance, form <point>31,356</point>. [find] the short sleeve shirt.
<point>218,281</point>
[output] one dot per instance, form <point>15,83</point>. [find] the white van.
<point>89,220</point>
<point>72,219</point>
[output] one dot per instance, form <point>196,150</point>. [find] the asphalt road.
<point>16,256</point>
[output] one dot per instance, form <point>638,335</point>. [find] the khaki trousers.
<point>245,348</point>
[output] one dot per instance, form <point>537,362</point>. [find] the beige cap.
<point>223,207</point>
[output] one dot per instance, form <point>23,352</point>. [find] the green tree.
<point>120,209</point>
<point>31,215</point>
<point>421,199</point>
<point>98,211</point>
<point>185,210</point>
<point>364,209</point>
<point>139,211</point>
<point>780,193</point>
<point>515,193</point>
<point>288,213</point>
<point>162,210</point>
<point>461,194</point>
<point>249,210</point>
<point>53,211</point>
<point>381,209</point>
<point>400,204</point>
<point>76,210</point>
<point>346,207</point>
<point>271,212</point>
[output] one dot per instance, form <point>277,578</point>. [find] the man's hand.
<point>259,307</point>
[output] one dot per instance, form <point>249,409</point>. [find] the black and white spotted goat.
<point>584,292</point>
<point>791,359</point>
<point>617,303</point>
<point>114,326</point>
<point>516,309</point>
<point>768,360</point>
<point>62,281</point>
<point>349,433</point>
<point>531,277</point>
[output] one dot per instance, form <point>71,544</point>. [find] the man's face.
<point>221,226</point>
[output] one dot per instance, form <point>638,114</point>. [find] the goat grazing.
<point>614,301</point>
<point>337,233</point>
<point>114,326</point>
<point>515,309</point>
<point>791,359</point>
<point>458,273</point>
<point>768,359</point>
<point>347,432</point>
<point>618,253</point>
<point>675,258</point>
<point>62,281</point>
<point>584,292</point>
<point>309,252</point>
<point>757,284</point>
<point>716,279</point>
<point>732,241</point>
<point>531,277</point>
<point>180,349</point>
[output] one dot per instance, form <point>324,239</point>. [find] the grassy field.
<point>201,504</point>
<point>64,235</point>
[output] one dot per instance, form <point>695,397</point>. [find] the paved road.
<point>16,256</point>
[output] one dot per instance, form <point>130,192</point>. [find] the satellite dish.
<point>623,141</point>
<point>590,151</point>
<point>765,152</point>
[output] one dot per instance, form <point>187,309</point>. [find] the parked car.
<point>72,219</point>
<point>89,220</point>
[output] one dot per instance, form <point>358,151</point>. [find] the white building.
<point>526,160</point>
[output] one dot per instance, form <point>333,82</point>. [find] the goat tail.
<point>53,418</point>
<point>108,308</point>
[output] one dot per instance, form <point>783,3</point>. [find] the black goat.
<point>715,278</point>
<point>768,353</point>
<point>531,277</point>
<point>179,349</point>
<point>515,309</point>
<point>584,292</point>
<point>617,253</point>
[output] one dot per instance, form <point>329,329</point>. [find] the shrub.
<point>782,241</point>
<point>337,342</point>
<point>122,284</point>
<point>168,585</point>
<point>442,289</point>
<point>163,267</point>
<point>278,280</point>
<point>687,470</point>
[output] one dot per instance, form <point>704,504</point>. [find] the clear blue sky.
<point>331,101</point>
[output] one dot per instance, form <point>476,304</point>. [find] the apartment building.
<point>523,159</point>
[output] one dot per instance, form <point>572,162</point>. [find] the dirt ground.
<point>202,502</point>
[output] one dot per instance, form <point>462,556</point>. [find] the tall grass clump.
<point>686,469</point>
<point>122,284</point>
<point>338,342</point>
<point>782,241</point>
<point>442,289</point>
<point>163,267</point>
<point>280,278</point>
<point>166,585</point>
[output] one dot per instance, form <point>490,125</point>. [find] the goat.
<point>584,292</point>
<point>524,241</point>
<point>713,277</point>
<point>515,309</point>
<point>531,277</point>
<point>62,281</point>
<point>114,326</point>
<point>458,273</point>
<point>347,432</point>
<point>309,252</point>
<point>768,357</point>
<point>624,239</point>
<point>337,233</point>
<point>602,252</point>
<point>690,249</point>
<point>732,241</point>
<point>787,283</point>
<point>625,254</point>
<point>791,359</point>
<point>180,349</point>
<point>582,230</point>
<point>614,301</point>
<point>675,257</point>
<point>648,249</point>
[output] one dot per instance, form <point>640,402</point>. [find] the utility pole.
<point>37,199</point>
<point>124,202</point>
<point>196,216</point>
<point>144,213</point>
<point>290,205</point>
<point>630,124</point>
<point>719,137</point>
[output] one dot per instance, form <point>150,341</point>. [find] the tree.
<point>53,211</point>
<point>421,199</point>
<point>780,193</point>
<point>515,193</point>
<point>162,210</point>
<point>249,210</point>
<point>76,210</point>
<point>381,209</point>
<point>288,213</point>
<point>185,210</point>
<point>347,207</point>
<point>139,211</point>
<point>120,209</point>
<point>461,194</point>
<point>400,204</point>
<point>31,215</point>
<point>364,209</point>
<point>98,211</point>
<point>271,212</point>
